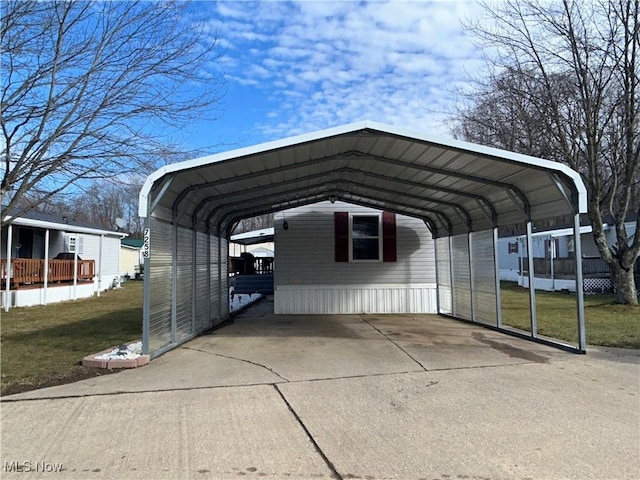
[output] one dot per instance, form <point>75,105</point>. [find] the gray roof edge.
<point>67,227</point>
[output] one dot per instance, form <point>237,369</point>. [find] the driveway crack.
<point>395,343</point>
<point>329,463</point>
<point>240,360</point>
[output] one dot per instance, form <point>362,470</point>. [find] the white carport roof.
<point>456,187</point>
<point>254,237</point>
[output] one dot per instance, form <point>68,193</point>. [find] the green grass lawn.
<point>607,323</point>
<point>45,345</point>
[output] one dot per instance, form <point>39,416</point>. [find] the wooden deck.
<point>26,272</point>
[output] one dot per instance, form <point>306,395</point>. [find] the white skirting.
<point>548,284</point>
<point>54,294</point>
<point>347,299</point>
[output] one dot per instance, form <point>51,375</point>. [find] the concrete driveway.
<point>369,397</point>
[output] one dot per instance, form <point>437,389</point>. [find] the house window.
<point>365,237</point>
<point>571,247</point>
<point>74,244</point>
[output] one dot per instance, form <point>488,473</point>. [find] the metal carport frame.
<point>462,191</point>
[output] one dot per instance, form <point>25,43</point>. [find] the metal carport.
<point>462,191</point>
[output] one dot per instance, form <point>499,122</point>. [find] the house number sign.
<point>145,244</point>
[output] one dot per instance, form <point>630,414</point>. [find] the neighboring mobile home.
<point>553,256</point>
<point>131,258</point>
<point>251,260</point>
<point>41,266</point>
<point>343,258</point>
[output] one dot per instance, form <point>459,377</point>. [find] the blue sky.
<point>297,67</point>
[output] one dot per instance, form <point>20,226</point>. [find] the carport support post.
<point>577,242</point>
<point>219,232</point>
<point>208,275</point>
<point>472,296</point>
<point>532,289</point>
<point>453,283</point>
<point>194,245</point>
<point>435,252</point>
<point>174,278</point>
<point>496,264</point>
<point>146,275</point>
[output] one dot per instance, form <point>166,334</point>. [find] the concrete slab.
<point>215,433</point>
<point>439,343</point>
<point>182,368</point>
<point>516,421</point>
<point>309,347</point>
<point>344,397</point>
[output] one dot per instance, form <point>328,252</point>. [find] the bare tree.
<point>100,204</point>
<point>103,203</point>
<point>254,223</point>
<point>88,89</point>
<point>565,80</point>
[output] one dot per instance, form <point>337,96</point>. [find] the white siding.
<point>325,299</point>
<point>108,272</point>
<point>308,280</point>
<point>235,249</point>
<point>128,261</point>
<point>56,243</point>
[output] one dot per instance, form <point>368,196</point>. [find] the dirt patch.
<point>81,373</point>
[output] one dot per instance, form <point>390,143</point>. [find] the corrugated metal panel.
<point>184,285</point>
<point>350,299</point>
<point>305,252</point>
<point>214,294</point>
<point>225,278</point>
<point>219,305</point>
<point>200,288</point>
<point>484,277</point>
<point>461,276</point>
<point>444,275</point>
<point>160,278</point>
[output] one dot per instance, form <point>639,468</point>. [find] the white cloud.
<point>327,63</point>
<point>241,80</point>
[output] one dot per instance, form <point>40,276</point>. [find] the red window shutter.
<point>341,231</point>
<point>389,237</point>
